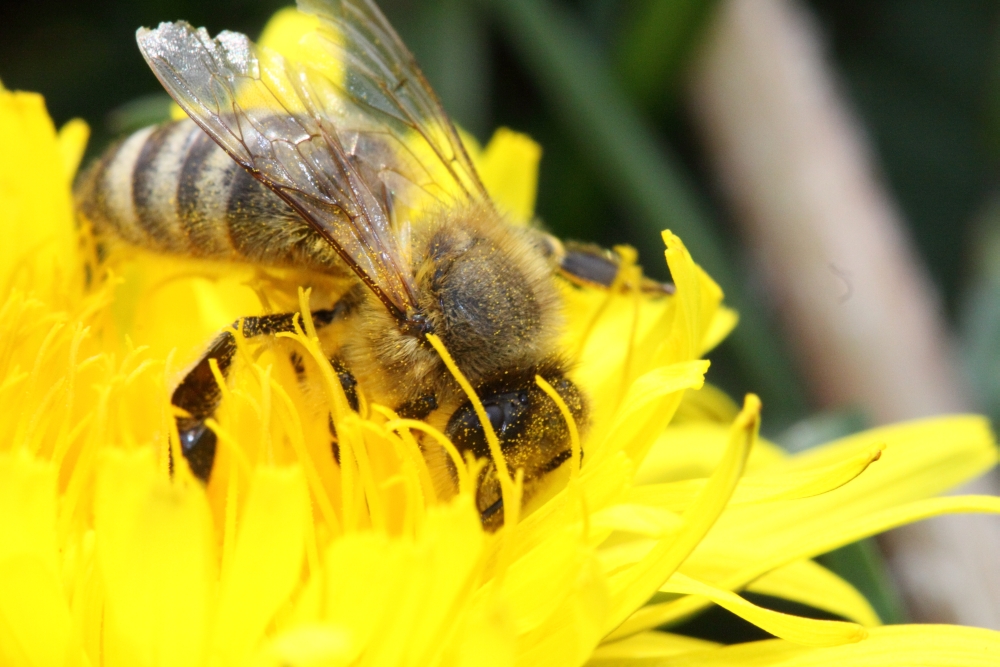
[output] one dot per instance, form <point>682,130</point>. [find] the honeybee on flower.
<point>109,557</point>
<point>345,165</point>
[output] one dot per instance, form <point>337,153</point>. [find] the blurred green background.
<point>599,83</point>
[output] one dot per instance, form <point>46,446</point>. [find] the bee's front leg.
<point>591,265</point>
<point>199,395</point>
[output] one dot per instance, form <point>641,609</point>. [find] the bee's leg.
<point>593,266</point>
<point>198,393</point>
<point>350,386</point>
<point>418,408</point>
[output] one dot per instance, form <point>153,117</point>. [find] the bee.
<point>348,167</point>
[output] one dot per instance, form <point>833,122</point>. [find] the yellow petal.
<point>646,410</point>
<point>601,485</point>
<point>809,583</point>
<point>802,483</point>
<point>35,623</point>
<point>575,626</point>
<point>266,563</point>
<point>487,639</point>
<point>806,482</point>
<point>637,519</point>
<point>721,325</point>
<point>924,645</point>
<point>447,556</point>
<point>803,581</point>
<point>598,323</point>
<point>508,168</point>
<point>914,463</point>
<point>315,645</point>
<point>362,573</point>
<point>818,538</point>
<point>826,537</point>
<point>396,598</point>
<point>636,585</point>
<point>646,645</point>
<point>156,287</point>
<point>155,554</point>
<point>28,508</point>
<point>709,404</point>
<point>72,142</point>
<point>919,459</point>
<point>698,299</point>
<point>36,209</point>
<point>284,33</point>
<point>694,450</point>
<point>537,584</point>
<point>806,631</point>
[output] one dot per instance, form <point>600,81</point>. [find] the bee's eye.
<point>498,415</point>
<point>505,412</point>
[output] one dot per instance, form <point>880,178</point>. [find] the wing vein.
<point>354,140</point>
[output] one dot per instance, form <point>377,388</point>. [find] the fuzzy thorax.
<point>486,291</point>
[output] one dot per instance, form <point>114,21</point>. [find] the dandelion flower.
<point>287,557</point>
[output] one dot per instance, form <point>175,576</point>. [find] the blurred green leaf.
<point>822,427</point>
<point>979,313</point>
<point>656,42</point>
<point>863,565</point>
<point>643,172</point>
<point>450,41</point>
<point>138,113</point>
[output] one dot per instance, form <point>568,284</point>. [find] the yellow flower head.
<point>112,554</point>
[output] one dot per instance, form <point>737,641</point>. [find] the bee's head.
<point>533,434</point>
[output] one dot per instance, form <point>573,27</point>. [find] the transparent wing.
<point>356,141</point>
<point>406,140</point>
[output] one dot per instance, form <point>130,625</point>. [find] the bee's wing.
<point>349,143</point>
<point>398,108</point>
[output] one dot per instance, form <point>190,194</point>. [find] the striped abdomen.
<point>172,189</point>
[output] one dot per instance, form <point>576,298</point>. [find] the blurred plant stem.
<point>861,312</point>
<point>626,154</point>
<point>979,314</point>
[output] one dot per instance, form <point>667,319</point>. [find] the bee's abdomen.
<point>173,189</point>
